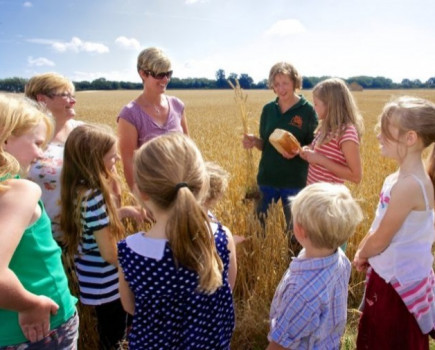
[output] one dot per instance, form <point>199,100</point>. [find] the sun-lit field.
<point>215,125</point>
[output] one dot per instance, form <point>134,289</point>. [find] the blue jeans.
<point>63,337</point>
<point>271,194</point>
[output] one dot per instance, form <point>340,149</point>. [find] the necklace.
<point>157,109</point>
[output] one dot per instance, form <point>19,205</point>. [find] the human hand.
<point>35,321</point>
<point>137,213</point>
<point>238,239</point>
<point>249,141</point>
<point>309,155</point>
<point>361,264</point>
<point>303,152</point>
<point>287,155</point>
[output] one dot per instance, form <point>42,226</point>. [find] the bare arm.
<point>128,139</point>
<point>127,296</point>
<point>352,171</point>
<point>107,245</point>
<point>232,271</point>
<point>184,124</point>
<point>403,200</point>
<point>18,209</point>
<point>135,212</point>
<point>359,262</point>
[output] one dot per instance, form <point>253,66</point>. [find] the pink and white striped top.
<point>332,150</point>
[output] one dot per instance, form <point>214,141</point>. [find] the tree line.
<point>16,84</point>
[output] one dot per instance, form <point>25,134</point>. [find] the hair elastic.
<point>179,185</point>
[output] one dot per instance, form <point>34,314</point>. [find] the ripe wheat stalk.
<point>241,101</point>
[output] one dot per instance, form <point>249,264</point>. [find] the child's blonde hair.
<point>153,59</point>
<point>47,84</point>
<point>341,110</point>
<point>328,214</point>
<point>288,69</point>
<point>84,169</point>
<point>170,171</point>
<point>218,182</point>
<point>409,113</point>
<point>17,117</point>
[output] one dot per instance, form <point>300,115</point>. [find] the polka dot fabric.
<point>169,312</point>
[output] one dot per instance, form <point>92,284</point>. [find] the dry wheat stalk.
<point>240,97</point>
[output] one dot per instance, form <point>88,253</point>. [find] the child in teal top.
<point>37,309</point>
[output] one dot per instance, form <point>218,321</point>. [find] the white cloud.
<point>75,45</point>
<point>285,27</point>
<point>27,4</point>
<point>39,62</point>
<point>127,43</point>
<point>78,45</point>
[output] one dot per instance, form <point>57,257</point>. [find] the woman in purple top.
<point>152,113</point>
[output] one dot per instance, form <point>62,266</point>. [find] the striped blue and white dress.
<point>98,280</point>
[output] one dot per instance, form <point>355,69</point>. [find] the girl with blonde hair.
<point>399,301</point>
<point>91,222</point>
<point>37,310</point>
<point>334,154</point>
<point>174,278</point>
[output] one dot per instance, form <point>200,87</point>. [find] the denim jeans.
<point>63,337</point>
<point>271,194</point>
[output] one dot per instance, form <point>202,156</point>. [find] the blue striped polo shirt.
<point>98,280</point>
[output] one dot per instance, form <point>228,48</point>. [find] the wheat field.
<point>215,125</point>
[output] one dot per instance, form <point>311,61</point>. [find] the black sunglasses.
<point>159,76</point>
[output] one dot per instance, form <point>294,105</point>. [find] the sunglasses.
<point>159,76</point>
<point>65,95</point>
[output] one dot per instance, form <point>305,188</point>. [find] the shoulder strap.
<point>423,189</point>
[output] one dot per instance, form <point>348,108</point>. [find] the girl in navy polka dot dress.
<point>174,278</point>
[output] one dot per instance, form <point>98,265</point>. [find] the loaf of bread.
<point>284,141</point>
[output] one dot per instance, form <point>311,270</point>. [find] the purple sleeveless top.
<point>146,127</point>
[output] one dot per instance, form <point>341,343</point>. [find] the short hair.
<point>46,84</point>
<point>328,214</point>
<point>17,117</point>
<point>218,181</point>
<point>409,113</point>
<point>285,69</point>
<point>153,59</point>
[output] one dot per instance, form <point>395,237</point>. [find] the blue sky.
<point>88,39</point>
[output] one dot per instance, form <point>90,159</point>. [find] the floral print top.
<point>46,173</point>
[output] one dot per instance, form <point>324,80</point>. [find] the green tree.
<point>14,84</point>
<point>245,81</point>
<point>233,77</point>
<point>221,81</point>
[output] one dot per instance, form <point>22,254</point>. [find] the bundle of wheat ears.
<point>240,97</point>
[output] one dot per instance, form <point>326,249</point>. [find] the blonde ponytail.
<point>171,171</point>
